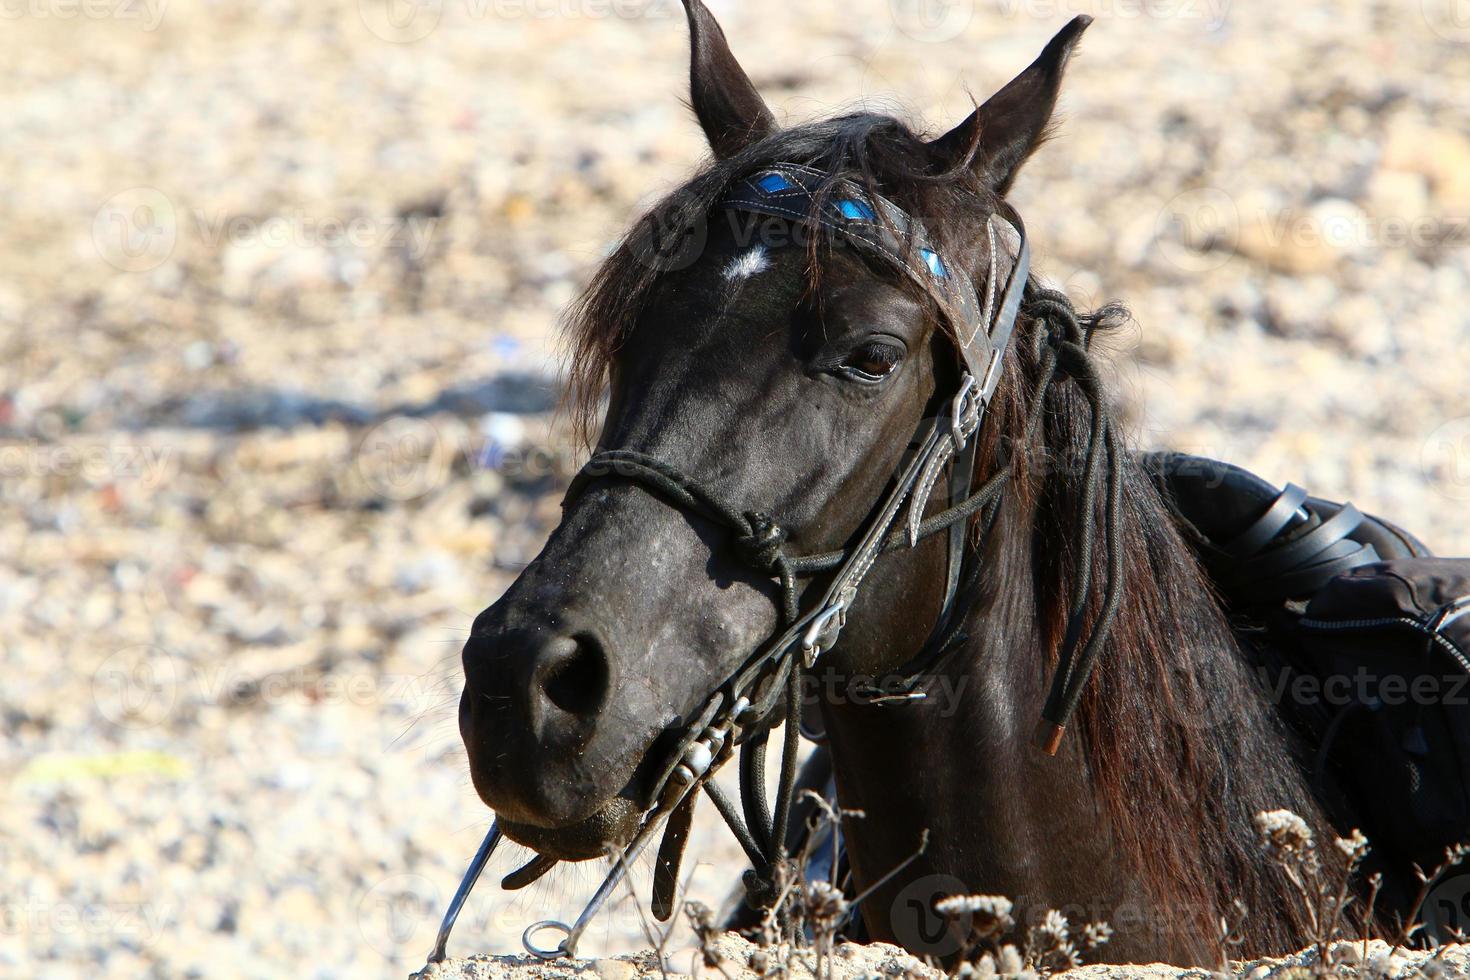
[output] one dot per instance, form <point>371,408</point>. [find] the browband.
<point>881,228</point>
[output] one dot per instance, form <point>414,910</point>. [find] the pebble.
<point>614,969</point>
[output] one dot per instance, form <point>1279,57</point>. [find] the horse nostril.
<point>575,679</point>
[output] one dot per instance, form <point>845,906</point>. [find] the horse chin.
<point>612,825</point>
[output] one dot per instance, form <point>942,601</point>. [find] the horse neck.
<point>1146,814</point>
<point>1002,818</point>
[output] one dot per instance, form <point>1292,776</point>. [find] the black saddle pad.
<point>1362,639</point>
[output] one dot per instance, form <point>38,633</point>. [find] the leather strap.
<point>1307,580</point>
<point>1270,524</point>
<point>981,332</point>
<point>879,227</point>
<point>1299,566</point>
<point>967,411</point>
<point>961,475</point>
<point>1302,549</point>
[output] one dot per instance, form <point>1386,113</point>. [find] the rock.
<point>1398,195</point>
<point>1442,155</point>
<point>614,969</point>
<point>1302,242</point>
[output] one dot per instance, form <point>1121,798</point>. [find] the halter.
<point>744,708</point>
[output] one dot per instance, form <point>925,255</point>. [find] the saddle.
<point>1264,546</point>
<point>1362,639</point>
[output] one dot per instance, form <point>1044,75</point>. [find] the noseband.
<point>745,708</point>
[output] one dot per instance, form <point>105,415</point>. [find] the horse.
<point>791,371</point>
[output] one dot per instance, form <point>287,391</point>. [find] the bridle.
<point>746,706</point>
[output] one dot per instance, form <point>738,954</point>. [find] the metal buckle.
<point>810,648</point>
<point>965,410</point>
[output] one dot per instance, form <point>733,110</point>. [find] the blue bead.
<point>855,210</point>
<point>771,183</point>
<point>934,262</point>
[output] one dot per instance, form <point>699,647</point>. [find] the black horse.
<point>791,372</point>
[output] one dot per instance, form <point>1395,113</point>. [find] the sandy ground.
<point>277,304</point>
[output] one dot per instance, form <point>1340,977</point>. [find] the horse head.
<point>767,359</point>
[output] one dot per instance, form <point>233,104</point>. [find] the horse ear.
<point>731,111</point>
<point>1002,133</point>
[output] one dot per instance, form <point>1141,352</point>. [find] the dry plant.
<point>707,933</point>
<point>987,923</point>
<point>658,938</point>
<point>806,919</point>
<point>1326,898</point>
<point>808,910</point>
<point>994,946</point>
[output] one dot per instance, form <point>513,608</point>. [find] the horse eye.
<point>872,361</point>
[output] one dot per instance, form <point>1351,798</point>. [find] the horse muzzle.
<point>554,741</point>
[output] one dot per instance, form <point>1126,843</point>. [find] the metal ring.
<point>556,952</point>
<point>817,736</point>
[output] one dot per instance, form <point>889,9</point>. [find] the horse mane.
<point>1182,745</point>
<point>1179,793</point>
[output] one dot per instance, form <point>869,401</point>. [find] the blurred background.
<point>278,300</point>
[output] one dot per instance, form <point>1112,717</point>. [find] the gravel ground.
<point>277,306</point>
<point>876,961</point>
